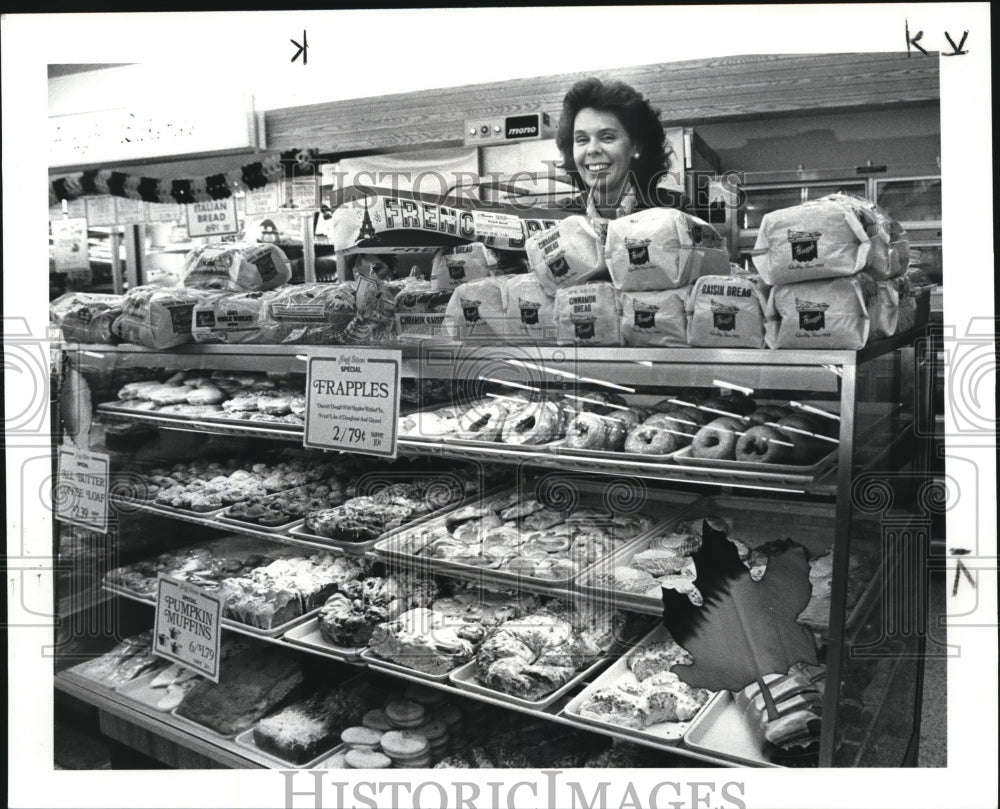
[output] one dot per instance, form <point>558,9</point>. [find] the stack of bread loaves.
<point>826,260</point>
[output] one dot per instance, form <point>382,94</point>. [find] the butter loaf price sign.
<point>187,627</point>
<point>352,401</point>
<point>81,494</point>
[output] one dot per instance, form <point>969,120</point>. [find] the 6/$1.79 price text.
<point>202,650</point>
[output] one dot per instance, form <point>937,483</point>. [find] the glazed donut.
<point>589,431</point>
<point>717,440</point>
<point>678,422</point>
<point>761,444</point>
<point>483,422</point>
<point>648,439</point>
<point>538,423</point>
<point>621,422</point>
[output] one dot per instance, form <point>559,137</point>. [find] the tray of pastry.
<point>267,576</point>
<point>514,539</point>
<point>561,448</point>
<point>429,425</point>
<point>632,578</point>
<point>464,677</point>
<point>440,497</point>
<point>279,512</point>
<point>639,698</point>
<point>685,458</point>
<point>722,730</point>
<point>245,740</point>
<point>212,414</point>
<point>399,670</point>
<point>309,635</point>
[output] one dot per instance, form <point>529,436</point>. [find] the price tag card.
<point>188,628</point>
<point>100,211</point>
<point>305,193</point>
<point>497,225</point>
<point>262,200</point>
<point>70,248</point>
<point>165,212</point>
<point>76,208</point>
<point>212,218</point>
<point>352,401</point>
<point>130,211</point>
<point>81,495</point>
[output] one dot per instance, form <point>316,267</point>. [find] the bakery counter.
<point>159,736</point>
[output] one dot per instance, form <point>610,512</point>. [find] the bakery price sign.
<point>212,218</point>
<point>352,401</point>
<point>81,495</point>
<point>187,629</point>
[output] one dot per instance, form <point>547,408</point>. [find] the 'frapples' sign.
<point>352,401</point>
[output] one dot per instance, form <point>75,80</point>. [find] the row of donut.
<point>730,427</point>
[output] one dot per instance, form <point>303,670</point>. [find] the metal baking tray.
<point>245,740</point>
<point>228,623</point>
<point>464,677</point>
<point>396,669</point>
<point>362,548</point>
<point>559,448</point>
<point>471,442</point>
<point>683,456</point>
<point>154,416</point>
<point>721,730</point>
<point>663,733</point>
<point>202,730</point>
<point>308,634</point>
<point>170,511</point>
<point>404,545</point>
<point>754,522</point>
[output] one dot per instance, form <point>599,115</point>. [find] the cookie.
<point>405,714</point>
<point>424,695</point>
<point>405,746</point>
<point>366,760</point>
<point>418,764</point>
<point>434,730</point>
<point>335,762</point>
<point>376,720</point>
<point>361,738</point>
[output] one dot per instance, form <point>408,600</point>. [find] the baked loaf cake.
<point>274,594</point>
<point>302,731</point>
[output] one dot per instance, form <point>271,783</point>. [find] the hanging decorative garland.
<point>294,163</point>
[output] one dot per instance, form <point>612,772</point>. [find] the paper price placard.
<point>100,211</point>
<point>352,401</point>
<point>188,628</point>
<point>263,200</point>
<point>130,211</point>
<point>213,218</point>
<point>489,224</point>
<point>81,495</point>
<point>305,194</point>
<point>70,248</point>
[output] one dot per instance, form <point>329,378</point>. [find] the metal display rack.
<point>875,391</point>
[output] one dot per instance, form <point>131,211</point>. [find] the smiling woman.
<point>612,145</point>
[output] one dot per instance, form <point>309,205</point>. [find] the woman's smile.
<point>602,151</point>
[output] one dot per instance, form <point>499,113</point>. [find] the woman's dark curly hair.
<point>637,116</point>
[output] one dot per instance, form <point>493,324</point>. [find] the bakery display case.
<point>856,507</point>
